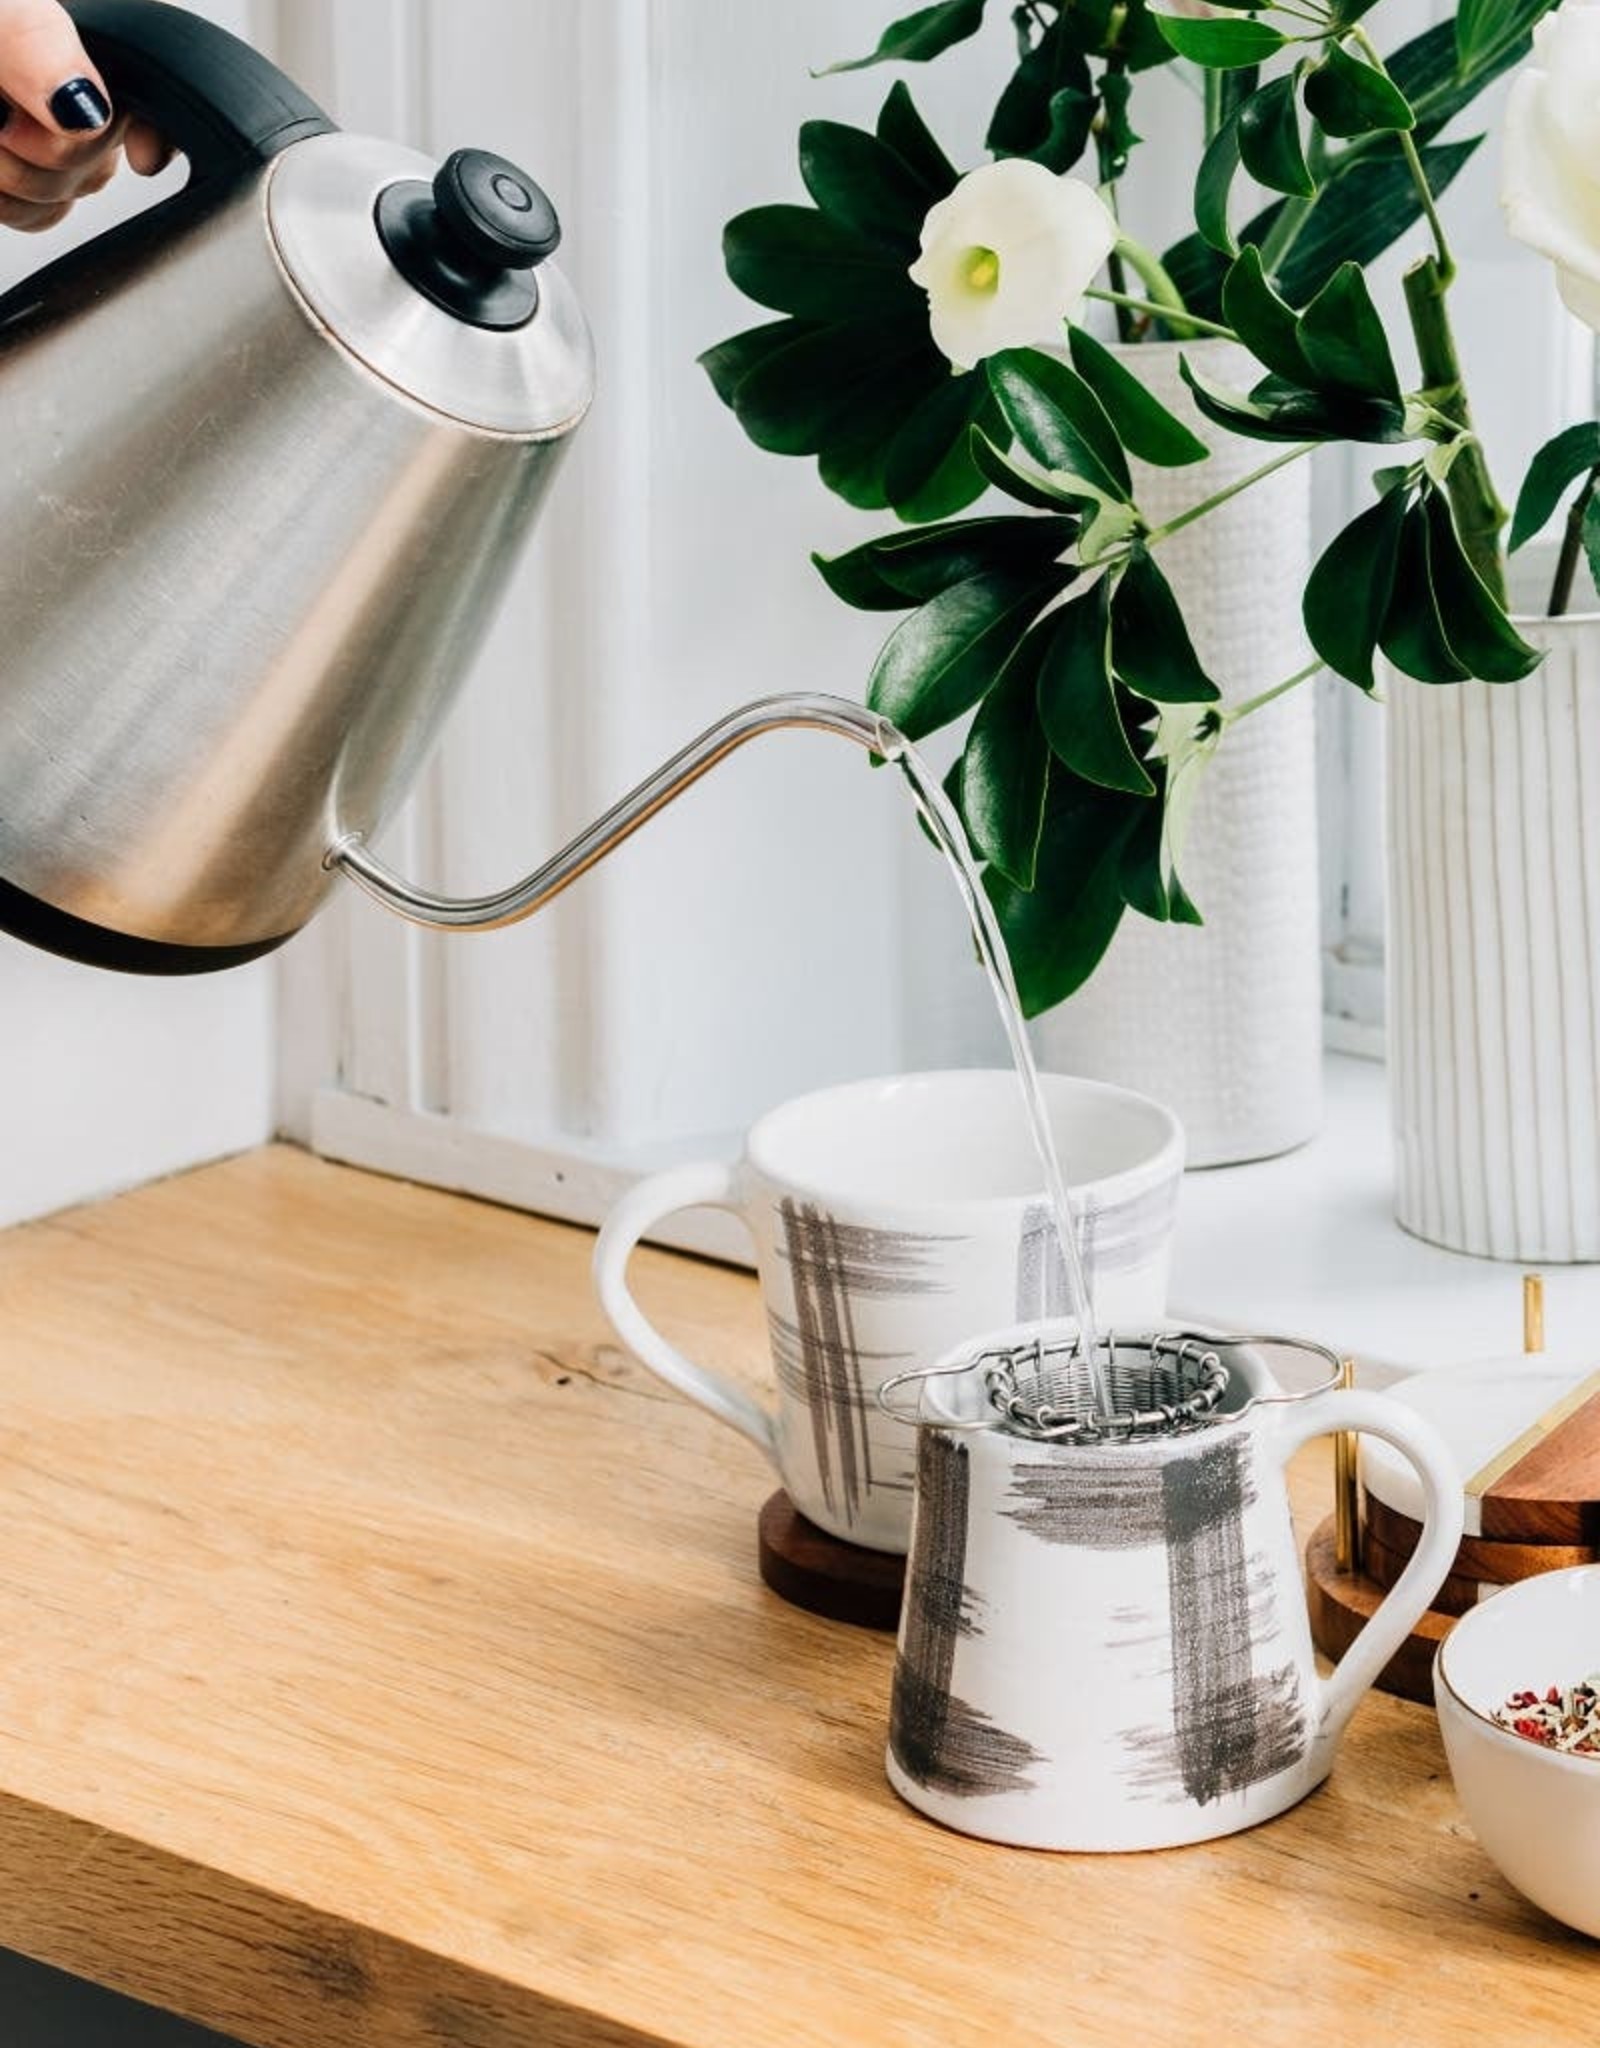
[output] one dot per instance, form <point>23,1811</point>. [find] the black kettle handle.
<point>211,95</point>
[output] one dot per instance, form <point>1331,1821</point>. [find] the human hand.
<point>59,136</point>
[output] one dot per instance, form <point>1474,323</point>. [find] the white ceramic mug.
<point>1106,1645</point>
<point>892,1218</point>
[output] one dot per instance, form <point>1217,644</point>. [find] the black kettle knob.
<point>471,241</point>
<point>496,212</point>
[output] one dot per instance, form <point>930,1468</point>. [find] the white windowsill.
<point>1308,1245</point>
<point>1301,1246</point>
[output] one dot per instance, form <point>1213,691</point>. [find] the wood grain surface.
<point>386,1666</point>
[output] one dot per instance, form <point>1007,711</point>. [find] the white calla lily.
<point>1008,256</point>
<point>1550,176</point>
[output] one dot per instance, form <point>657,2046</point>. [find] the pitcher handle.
<point>1416,1439</point>
<point>712,1184</point>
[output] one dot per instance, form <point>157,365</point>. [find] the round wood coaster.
<point>1341,1605</point>
<point>1383,1566</point>
<point>824,1574</point>
<point>1479,1557</point>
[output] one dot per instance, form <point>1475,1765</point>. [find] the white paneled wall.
<point>784,925</point>
<point>106,1080</point>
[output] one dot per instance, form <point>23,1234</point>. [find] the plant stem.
<point>1254,704</point>
<point>1164,294</point>
<point>1233,490</point>
<point>1571,548</point>
<point>1190,320</point>
<point>1479,514</point>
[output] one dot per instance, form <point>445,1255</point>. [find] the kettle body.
<point>272,451</point>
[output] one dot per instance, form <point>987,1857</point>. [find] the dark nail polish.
<point>79,105</point>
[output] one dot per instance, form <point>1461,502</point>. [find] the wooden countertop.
<point>385,1665</point>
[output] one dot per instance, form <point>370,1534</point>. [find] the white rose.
<point>1550,175</point>
<point>1008,256</point>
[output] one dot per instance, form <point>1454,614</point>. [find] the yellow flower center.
<point>981,271</point>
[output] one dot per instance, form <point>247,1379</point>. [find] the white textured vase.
<point>1223,1022</point>
<point>1494,954</point>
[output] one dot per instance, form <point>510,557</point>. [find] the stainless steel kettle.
<point>271,449</point>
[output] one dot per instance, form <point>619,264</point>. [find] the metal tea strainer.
<point>1043,1386</point>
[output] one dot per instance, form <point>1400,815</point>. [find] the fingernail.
<point>79,104</point>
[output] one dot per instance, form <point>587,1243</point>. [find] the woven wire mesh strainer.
<point>1039,1384</point>
<point>1158,1387</point>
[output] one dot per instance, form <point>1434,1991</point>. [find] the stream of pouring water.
<point>939,815</point>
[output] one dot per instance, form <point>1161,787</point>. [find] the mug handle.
<point>1353,1408</point>
<point>711,1184</point>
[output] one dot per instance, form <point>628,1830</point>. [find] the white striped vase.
<point>1494,955</point>
<point>1223,1022</point>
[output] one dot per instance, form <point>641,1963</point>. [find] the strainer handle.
<point>711,1185</point>
<point>1353,1408</point>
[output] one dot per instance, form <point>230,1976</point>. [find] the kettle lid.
<point>439,280</point>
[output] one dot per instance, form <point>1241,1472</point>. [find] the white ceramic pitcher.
<point>1106,1645</point>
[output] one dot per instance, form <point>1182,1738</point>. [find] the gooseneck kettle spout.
<point>533,892</point>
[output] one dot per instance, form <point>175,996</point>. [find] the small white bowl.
<point>1535,1811</point>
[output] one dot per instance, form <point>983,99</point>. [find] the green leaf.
<point>937,664</point>
<point>1143,424</point>
<point>1348,96</point>
<point>1484,26</point>
<point>1269,140</point>
<point>1077,699</point>
<point>863,185</point>
<point>828,380</point>
<point>1573,453</point>
<point>1263,322</point>
<point>1414,636</point>
<point>729,362</point>
<point>902,129</point>
<point>1183,747</point>
<point>1344,341</point>
<point>1367,202</point>
<point>1590,535</point>
<point>927,471</point>
<point>1347,594</point>
<point>905,569</point>
<point>1058,420</point>
<point>1057,932</point>
<point>1005,766</point>
<point>1047,110</point>
<point>1370,205</point>
<point>1481,637</point>
<point>1150,646</point>
<point>1213,186</point>
<point>1221,45</point>
<point>1277,410</point>
<point>914,38</point>
<point>998,468</point>
<point>801,262</point>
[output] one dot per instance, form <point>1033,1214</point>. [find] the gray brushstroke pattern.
<point>938,1740</point>
<point>1112,1240</point>
<point>830,1263</point>
<point>1230,1726</point>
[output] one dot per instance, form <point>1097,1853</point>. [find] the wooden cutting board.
<point>1526,1436</point>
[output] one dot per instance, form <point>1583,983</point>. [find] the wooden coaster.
<point>824,1574</point>
<point>1341,1605</point>
<point>1383,1566</point>
<point>1479,1557</point>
